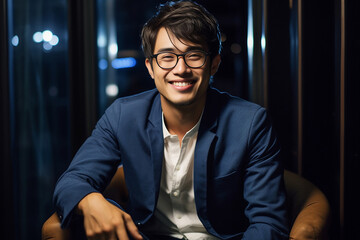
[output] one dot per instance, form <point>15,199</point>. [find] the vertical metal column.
<point>342,120</point>
<point>300,90</point>
<point>256,45</point>
<point>264,50</point>
<point>6,171</point>
<point>83,67</point>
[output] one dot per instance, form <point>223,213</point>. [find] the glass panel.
<point>121,63</point>
<point>39,107</point>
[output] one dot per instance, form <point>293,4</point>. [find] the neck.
<point>180,119</point>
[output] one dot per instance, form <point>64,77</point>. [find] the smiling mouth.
<point>182,84</point>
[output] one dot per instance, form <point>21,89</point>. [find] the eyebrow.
<point>190,48</point>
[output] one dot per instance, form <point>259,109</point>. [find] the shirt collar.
<point>191,132</point>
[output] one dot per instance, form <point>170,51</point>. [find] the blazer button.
<point>176,193</point>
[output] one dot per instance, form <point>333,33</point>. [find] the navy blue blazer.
<point>238,177</point>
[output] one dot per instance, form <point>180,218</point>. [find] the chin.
<point>183,102</point>
<point>179,102</point>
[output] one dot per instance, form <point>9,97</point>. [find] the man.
<point>199,164</point>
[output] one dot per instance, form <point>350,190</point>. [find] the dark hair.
<point>188,21</point>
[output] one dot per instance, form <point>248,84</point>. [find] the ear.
<point>149,67</point>
<point>215,64</point>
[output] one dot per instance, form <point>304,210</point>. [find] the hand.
<point>103,220</point>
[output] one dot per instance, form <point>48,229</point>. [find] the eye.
<point>166,57</point>
<point>194,56</point>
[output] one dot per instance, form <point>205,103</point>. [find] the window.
<point>39,107</point>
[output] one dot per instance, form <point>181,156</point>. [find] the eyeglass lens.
<point>192,59</point>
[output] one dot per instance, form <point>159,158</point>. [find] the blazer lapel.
<point>156,140</point>
<point>206,137</point>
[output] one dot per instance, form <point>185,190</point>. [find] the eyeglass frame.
<point>181,55</point>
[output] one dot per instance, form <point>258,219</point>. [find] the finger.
<point>96,235</point>
<point>108,233</point>
<point>131,227</point>
<point>94,231</point>
<point>122,234</point>
<point>89,231</point>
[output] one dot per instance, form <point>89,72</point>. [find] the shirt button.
<point>177,168</point>
<point>176,193</point>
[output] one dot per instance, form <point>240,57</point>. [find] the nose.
<point>181,66</point>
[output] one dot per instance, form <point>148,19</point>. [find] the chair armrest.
<point>116,190</point>
<point>308,208</point>
<point>51,229</point>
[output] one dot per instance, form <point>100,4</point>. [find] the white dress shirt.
<point>175,214</point>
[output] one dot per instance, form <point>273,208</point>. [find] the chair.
<point>308,209</point>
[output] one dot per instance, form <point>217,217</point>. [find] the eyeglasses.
<point>192,59</point>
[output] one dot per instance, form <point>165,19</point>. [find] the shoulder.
<point>137,98</point>
<point>237,115</point>
<point>127,111</point>
<point>135,103</point>
<point>229,104</point>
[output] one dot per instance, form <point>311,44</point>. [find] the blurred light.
<point>250,31</point>
<point>250,43</point>
<point>101,41</point>
<point>15,40</point>
<point>38,37</point>
<point>47,35</point>
<point>235,48</point>
<point>48,38</point>
<point>128,62</point>
<point>47,46</point>
<point>54,40</point>
<point>263,43</point>
<point>103,64</point>
<point>112,90</point>
<point>113,49</point>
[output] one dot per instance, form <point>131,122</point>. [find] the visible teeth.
<point>181,84</point>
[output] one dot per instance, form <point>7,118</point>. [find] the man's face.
<point>181,85</point>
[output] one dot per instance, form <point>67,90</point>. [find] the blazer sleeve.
<point>263,186</point>
<point>92,167</point>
